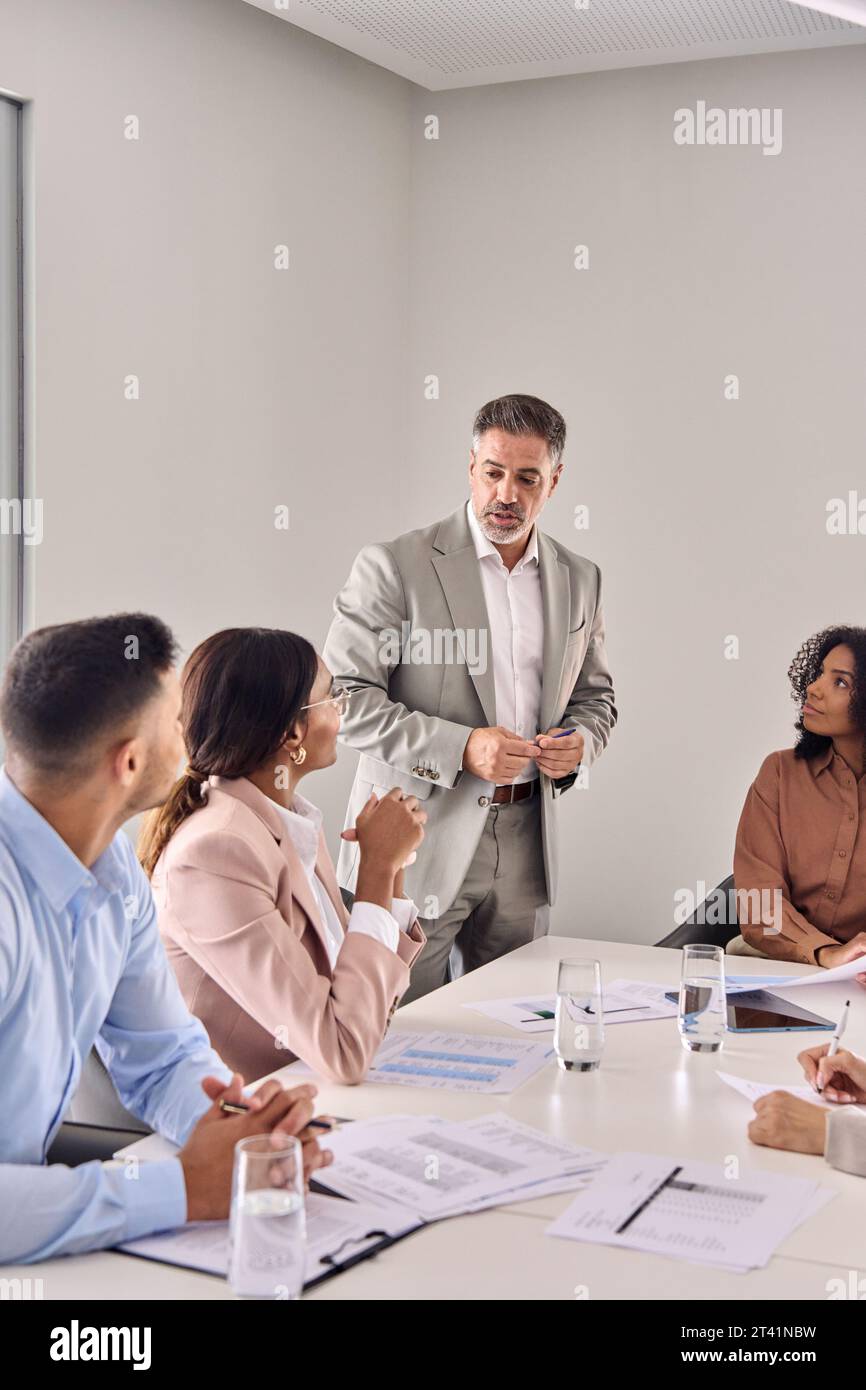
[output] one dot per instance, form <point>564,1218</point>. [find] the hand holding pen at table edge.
<point>840,1077</point>
<point>319,1124</point>
<point>832,1050</point>
<point>207,1157</point>
<point>783,1121</point>
<point>231,1100</point>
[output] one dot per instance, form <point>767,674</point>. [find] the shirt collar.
<point>822,759</point>
<point>303,821</point>
<point>484,547</point>
<point>829,758</point>
<point>45,856</point>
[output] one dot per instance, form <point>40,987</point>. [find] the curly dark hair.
<point>804,670</point>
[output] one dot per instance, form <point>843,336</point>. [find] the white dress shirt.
<point>515,614</point>
<point>304,824</point>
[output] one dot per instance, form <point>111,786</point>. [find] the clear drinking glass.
<point>579,1029</point>
<point>268,1226</point>
<point>702,1012</point>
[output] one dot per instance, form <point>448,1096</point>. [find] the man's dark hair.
<point>525,415</point>
<point>67,685</point>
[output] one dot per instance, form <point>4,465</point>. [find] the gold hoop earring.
<point>298,755</point>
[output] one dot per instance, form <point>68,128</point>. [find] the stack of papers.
<point>433,1168</point>
<point>693,1211</point>
<point>398,1172</point>
<point>624,1001</point>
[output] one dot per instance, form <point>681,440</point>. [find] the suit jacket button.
<point>434,776</point>
<point>418,771</point>
<point>484,801</point>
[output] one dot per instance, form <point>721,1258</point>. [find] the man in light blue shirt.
<point>90,717</point>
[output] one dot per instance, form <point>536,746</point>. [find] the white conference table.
<point>649,1095</point>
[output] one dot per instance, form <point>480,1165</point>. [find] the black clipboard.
<point>380,1241</point>
<point>358,1257</point>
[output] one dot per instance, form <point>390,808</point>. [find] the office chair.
<point>96,1124</point>
<point>722,927</point>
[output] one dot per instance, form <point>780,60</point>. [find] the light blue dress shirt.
<point>82,963</point>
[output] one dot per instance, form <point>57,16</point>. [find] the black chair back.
<point>714,922</point>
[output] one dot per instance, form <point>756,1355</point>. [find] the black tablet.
<point>758,1011</point>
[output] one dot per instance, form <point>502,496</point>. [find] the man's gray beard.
<point>497,536</point>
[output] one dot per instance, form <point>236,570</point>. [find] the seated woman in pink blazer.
<point>249,908</point>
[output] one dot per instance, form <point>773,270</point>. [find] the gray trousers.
<point>502,902</point>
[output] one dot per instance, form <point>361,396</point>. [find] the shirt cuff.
<point>815,942</point>
<point>373,920</point>
<point>404,912</point>
<point>155,1198</point>
<point>586,760</point>
<point>846,1140</point>
<point>806,945</point>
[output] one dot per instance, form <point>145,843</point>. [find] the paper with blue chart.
<point>457,1062</point>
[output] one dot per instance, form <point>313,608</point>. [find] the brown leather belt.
<point>514,791</point>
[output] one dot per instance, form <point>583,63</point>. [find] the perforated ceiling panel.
<point>451,43</point>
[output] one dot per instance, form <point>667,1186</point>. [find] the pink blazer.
<point>241,929</point>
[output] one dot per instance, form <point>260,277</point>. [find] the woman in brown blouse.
<point>801,840</point>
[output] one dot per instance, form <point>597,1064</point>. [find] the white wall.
<point>454,257</point>
<point>258,387</point>
<point>707,516</point>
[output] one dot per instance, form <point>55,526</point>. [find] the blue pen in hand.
<point>562,734</point>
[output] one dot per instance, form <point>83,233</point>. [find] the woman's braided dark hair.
<point>804,670</point>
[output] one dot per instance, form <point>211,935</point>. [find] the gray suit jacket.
<point>410,625</point>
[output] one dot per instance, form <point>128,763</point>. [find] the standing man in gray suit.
<point>467,647</point>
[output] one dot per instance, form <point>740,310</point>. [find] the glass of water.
<point>268,1226</point>
<point>579,1029</point>
<point>702,1014</point>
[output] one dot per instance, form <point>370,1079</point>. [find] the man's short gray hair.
<point>525,415</point>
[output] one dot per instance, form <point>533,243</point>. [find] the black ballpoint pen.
<point>237,1107</point>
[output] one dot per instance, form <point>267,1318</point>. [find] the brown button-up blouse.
<point>800,832</point>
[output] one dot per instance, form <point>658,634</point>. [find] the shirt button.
<point>484,801</point>
<point>841,854</point>
<point>832,896</point>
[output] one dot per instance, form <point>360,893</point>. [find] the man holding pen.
<point>474,651</point>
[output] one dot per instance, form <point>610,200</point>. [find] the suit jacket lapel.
<point>302,892</point>
<point>243,790</point>
<point>556,603</point>
<point>325,872</point>
<point>459,571</point>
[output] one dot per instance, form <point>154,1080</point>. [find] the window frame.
<point>12,451</point>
